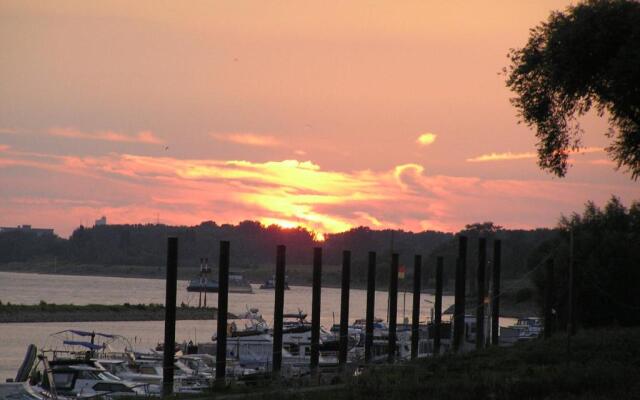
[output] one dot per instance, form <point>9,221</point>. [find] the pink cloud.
<point>248,139</point>
<point>132,188</point>
<point>146,137</point>
<point>507,156</point>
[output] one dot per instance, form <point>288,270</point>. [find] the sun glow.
<point>289,193</point>
<point>287,224</point>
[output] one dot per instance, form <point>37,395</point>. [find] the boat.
<point>271,284</point>
<point>203,285</point>
<point>65,375</point>
<point>252,347</point>
<point>237,284</point>
<point>523,330</point>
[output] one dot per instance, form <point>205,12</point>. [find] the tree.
<point>606,259</point>
<point>587,56</point>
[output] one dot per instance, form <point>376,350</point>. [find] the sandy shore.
<point>90,313</point>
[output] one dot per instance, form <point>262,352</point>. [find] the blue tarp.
<point>88,345</point>
<point>86,333</point>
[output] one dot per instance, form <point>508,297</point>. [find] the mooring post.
<point>223,302</point>
<point>344,308</point>
<point>437,324</point>
<point>278,310</point>
<point>415,314</point>
<point>371,300</point>
<point>315,308</point>
<point>482,263</point>
<point>549,299</point>
<point>170,317</point>
<point>495,293</point>
<point>460,298</point>
<point>201,283</point>
<point>393,306</point>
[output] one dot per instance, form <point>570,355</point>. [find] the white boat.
<point>523,330</point>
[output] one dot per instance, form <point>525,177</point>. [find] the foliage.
<point>606,260</point>
<point>253,249</point>
<point>23,246</point>
<point>587,56</point>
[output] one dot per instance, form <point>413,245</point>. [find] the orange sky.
<point>325,114</point>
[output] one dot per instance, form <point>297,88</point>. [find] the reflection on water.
<point>31,288</point>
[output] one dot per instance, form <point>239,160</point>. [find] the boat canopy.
<point>86,333</point>
<point>88,345</point>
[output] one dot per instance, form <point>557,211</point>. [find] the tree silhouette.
<point>587,56</point>
<point>606,256</point>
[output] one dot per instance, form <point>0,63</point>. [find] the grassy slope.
<point>605,365</point>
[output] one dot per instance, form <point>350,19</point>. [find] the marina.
<point>27,289</point>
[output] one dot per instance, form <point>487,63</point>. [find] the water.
<point>20,288</point>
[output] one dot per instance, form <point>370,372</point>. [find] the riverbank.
<point>45,312</point>
<point>298,275</point>
<point>516,300</point>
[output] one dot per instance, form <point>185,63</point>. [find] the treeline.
<point>253,245</point>
<point>606,266</point>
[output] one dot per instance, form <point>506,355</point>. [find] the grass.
<point>605,364</point>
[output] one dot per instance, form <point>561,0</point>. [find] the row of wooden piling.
<point>459,309</point>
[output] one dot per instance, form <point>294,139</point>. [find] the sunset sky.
<point>328,115</point>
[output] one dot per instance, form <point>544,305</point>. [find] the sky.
<point>326,115</point>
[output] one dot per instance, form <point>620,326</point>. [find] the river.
<point>21,288</point>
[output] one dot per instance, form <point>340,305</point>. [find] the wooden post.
<point>223,302</point>
<point>495,293</point>
<point>168,359</point>
<point>482,262</point>
<point>415,314</point>
<point>460,298</point>
<point>549,299</point>
<point>200,288</point>
<point>315,308</point>
<point>344,308</point>
<point>393,306</point>
<point>371,299</point>
<point>278,310</point>
<point>571,326</point>
<point>438,307</point>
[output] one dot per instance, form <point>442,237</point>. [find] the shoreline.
<point>45,312</point>
<point>184,274</point>
<point>509,308</point>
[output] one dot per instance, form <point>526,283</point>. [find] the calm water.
<point>31,288</point>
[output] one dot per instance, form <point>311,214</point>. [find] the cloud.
<point>408,176</point>
<point>426,139</point>
<point>247,139</point>
<point>4,147</point>
<point>370,219</point>
<point>588,150</point>
<point>60,191</point>
<point>146,137</point>
<point>528,155</point>
<point>502,156</point>
<point>9,131</point>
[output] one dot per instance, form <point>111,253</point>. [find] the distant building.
<point>27,229</point>
<point>101,221</point>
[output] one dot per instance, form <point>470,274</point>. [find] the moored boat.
<point>271,284</point>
